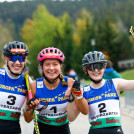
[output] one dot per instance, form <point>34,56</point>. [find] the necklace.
<point>51,86</point>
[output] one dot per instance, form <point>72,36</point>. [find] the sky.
<point>10,0</point>
<point>17,0</point>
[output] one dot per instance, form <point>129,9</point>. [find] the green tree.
<point>110,40</point>
<point>84,34</point>
<point>5,37</point>
<point>38,34</point>
<point>63,39</point>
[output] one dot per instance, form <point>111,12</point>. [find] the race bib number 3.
<point>11,102</point>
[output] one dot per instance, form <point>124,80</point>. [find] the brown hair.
<point>63,82</point>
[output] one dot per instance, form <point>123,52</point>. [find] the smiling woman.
<point>51,87</point>
<point>102,96</point>
<point>13,88</point>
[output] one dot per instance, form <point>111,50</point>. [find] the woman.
<point>103,95</point>
<point>52,117</point>
<point>13,89</point>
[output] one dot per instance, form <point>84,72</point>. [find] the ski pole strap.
<point>45,104</point>
<point>42,99</point>
<point>28,108</point>
<point>30,97</point>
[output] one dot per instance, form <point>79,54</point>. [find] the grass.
<point>128,74</point>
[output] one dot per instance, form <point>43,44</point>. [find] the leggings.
<point>9,127</point>
<point>107,130</point>
<point>49,129</point>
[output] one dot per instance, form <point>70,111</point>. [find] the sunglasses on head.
<point>98,66</point>
<point>14,58</point>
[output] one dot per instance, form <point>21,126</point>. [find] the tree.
<point>38,33</point>
<point>110,40</point>
<point>5,37</point>
<point>84,34</point>
<point>63,39</point>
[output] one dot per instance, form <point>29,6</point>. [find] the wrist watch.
<point>71,98</point>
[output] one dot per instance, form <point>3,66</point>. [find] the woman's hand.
<point>32,103</point>
<point>68,93</point>
<point>76,89</point>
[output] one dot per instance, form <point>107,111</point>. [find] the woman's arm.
<point>82,105</point>
<point>123,85</point>
<point>72,110</point>
<point>80,101</point>
<point>79,105</point>
<point>28,115</point>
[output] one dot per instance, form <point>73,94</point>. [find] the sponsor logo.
<point>2,72</point>
<point>86,88</point>
<point>40,84</point>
